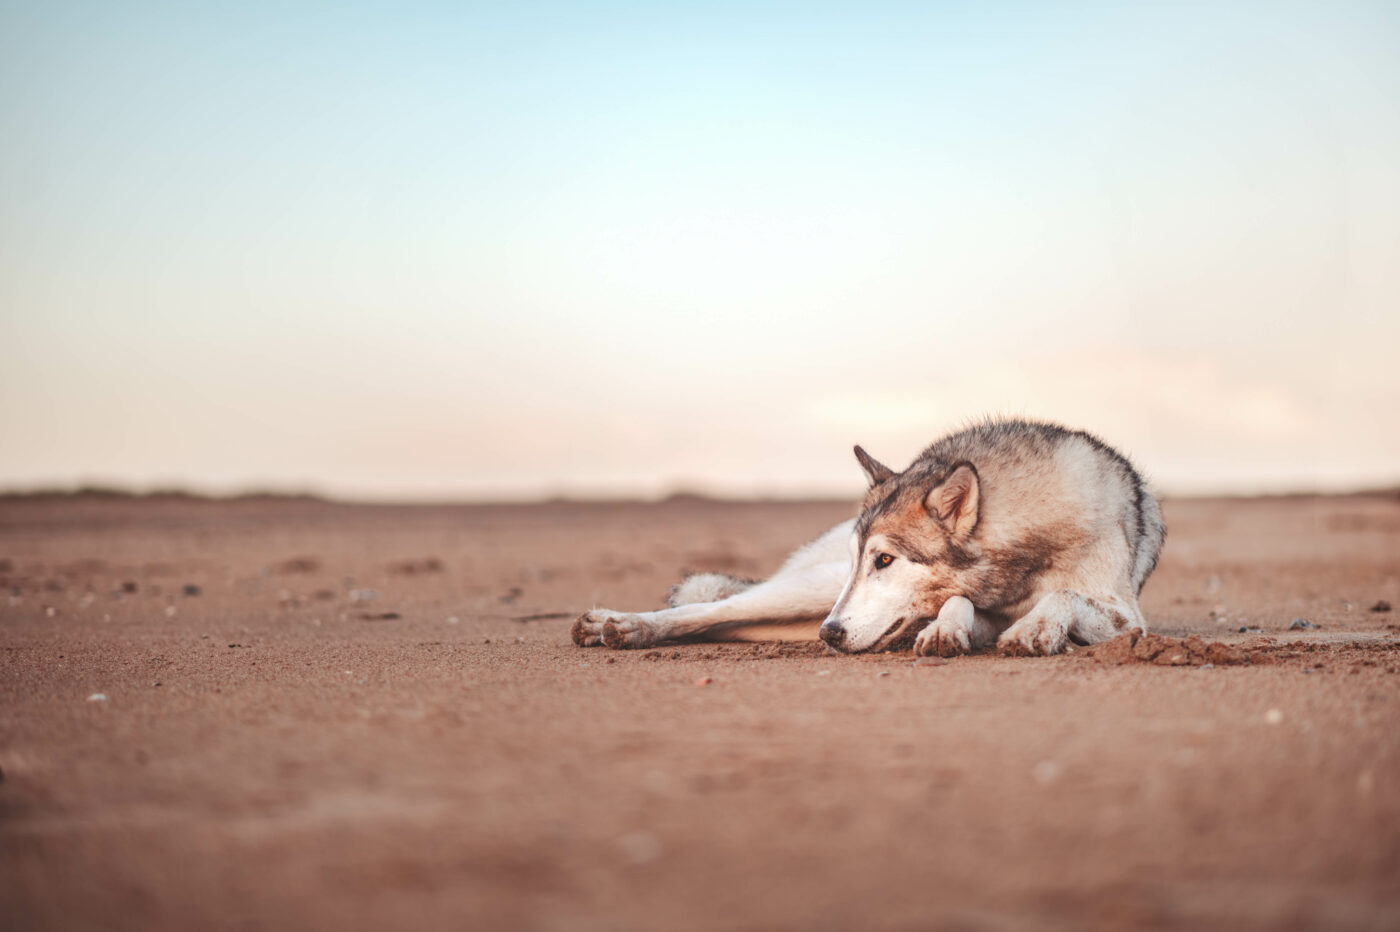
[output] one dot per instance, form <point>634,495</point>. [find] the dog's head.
<point>910,548</point>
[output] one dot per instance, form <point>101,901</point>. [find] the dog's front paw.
<point>942,639</point>
<point>623,632</point>
<point>1033,637</point>
<point>588,629</point>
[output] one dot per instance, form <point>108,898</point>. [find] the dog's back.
<point>1039,478</point>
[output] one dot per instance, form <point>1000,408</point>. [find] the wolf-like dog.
<point>1023,535</point>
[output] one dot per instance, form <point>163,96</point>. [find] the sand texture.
<point>285,714</point>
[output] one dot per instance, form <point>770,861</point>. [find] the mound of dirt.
<point>1135,647</point>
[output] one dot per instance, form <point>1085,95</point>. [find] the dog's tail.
<point>706,587</point>
<point>1152,531</point>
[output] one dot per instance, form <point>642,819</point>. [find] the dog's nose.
<point>831,632</point>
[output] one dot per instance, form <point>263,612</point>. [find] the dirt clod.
<point>297,565</point>
<point>1193,651</point>
<point>414,567</point>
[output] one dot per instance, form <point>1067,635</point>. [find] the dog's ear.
<point>954,500</point>
<point>875,470</point>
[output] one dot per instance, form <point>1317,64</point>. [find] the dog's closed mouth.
<point>890,637</point>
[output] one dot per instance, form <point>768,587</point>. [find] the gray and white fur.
<point>1018,534</point>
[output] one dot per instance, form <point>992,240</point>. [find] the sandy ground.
<point>349,724</point>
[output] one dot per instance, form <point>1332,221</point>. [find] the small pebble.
<point>1207,666</point>
<point>1248,630</point>
<point>823,673</point>
<point>1381,606</point>
<point>191,590</point>
<point>704,681</point>
<point>454,620</point>
<point>1273,716</point>
<point>930,662</point>
<point>97,697</point>
<point>884,672</point>
<point>129,586</point>
<point>169,611</point>
<point>1301,623</point>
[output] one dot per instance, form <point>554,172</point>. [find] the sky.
<point>414,251</point>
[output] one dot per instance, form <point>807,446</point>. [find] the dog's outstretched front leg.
<point>958,629</point>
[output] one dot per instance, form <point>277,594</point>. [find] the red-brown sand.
<point>353,725</point>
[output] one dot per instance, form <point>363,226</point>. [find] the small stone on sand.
<point>1300,623</point>
<point>97,697</point>
<point>1273,716</point>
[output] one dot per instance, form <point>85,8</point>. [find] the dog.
<point>1022,535</point>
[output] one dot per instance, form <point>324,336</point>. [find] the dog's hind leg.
<point>789,598</point>
<point>1065,614</point>
<point>1106,618</point>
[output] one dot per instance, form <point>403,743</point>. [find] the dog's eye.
<point>883,560</point>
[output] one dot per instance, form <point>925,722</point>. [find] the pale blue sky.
<point>439,249</point>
